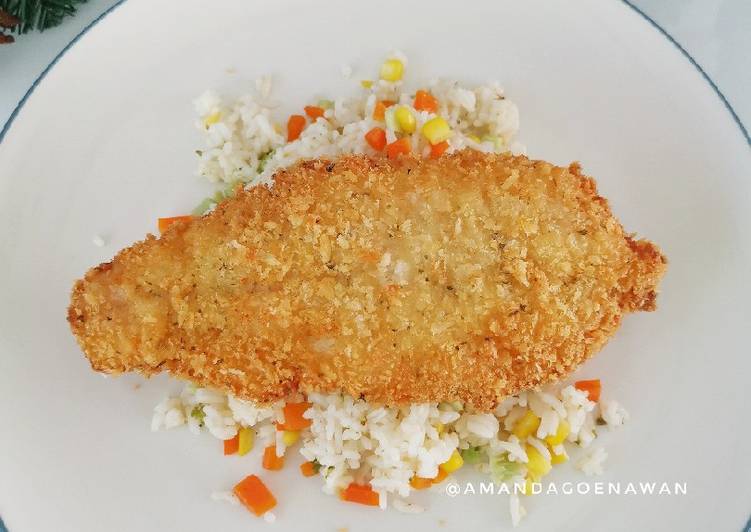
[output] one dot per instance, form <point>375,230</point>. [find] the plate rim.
<point>629,3</point>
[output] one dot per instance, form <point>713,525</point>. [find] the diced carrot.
<point>271,461</point>
<point>424,101</point>
<point>295,125</point>
<point>592,387</point>
<point>309,469</point>
<point>293,416</point>
<point>398,147</point>
<point>420,483</point>
<point>441,476</point>
<point>254,494</point>
<point>164,223</point>
<point>436,150</point>
<point>359,493</point>
<point>231,446</point>
<point>376,137</point>
<point>314,112</point>
<point>379,111</point>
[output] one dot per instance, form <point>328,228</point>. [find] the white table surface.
<point>717,34</point>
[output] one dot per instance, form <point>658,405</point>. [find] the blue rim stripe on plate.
<point>641,13</point>
<point>691,60</point>
<point>41,76</point>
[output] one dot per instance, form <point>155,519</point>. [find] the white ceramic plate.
<point>104,145</point>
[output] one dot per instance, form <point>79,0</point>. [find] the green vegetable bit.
<point>229,191</point>
<point>502,469</point>
<point>218,197</point>
<point>198,413</point>
<point>496,141</point>
<point>202,207</point>
<point>325,104</point>
<point>263,159</point>
<point>473,455</point>
<point>316,465</point>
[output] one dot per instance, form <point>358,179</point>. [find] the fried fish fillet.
<point>468,278</point>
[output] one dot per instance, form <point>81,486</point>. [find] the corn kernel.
<point>392,70</point>
<point>474,138</point>
<point>439,427</point>
<point>290,437</point>
<point>213,118</point>
<point>556,459</point>
<point>526,425</point>
<point>436,130</point>
<point>528,486</point>
<point>366,83</point>
<point>405,119</point>
<point>537,465</point>
<point>245,438</point>
<point>560,434</point>
<point>455,462</point>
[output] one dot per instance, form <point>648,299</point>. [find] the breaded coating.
<point>470,278</point>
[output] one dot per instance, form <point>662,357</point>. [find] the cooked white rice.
<point>516,509</point>
<point>592,461</point>
<point>240,134</point>
<point>350,439</point>
<point>354,441</point>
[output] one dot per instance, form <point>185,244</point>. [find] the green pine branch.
<point>22,16</point>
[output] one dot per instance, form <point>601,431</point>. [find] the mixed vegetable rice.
<point>367,453</point>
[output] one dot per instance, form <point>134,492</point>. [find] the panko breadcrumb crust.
<point>470,278</point>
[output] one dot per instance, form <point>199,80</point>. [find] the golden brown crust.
<point>466,278</point>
